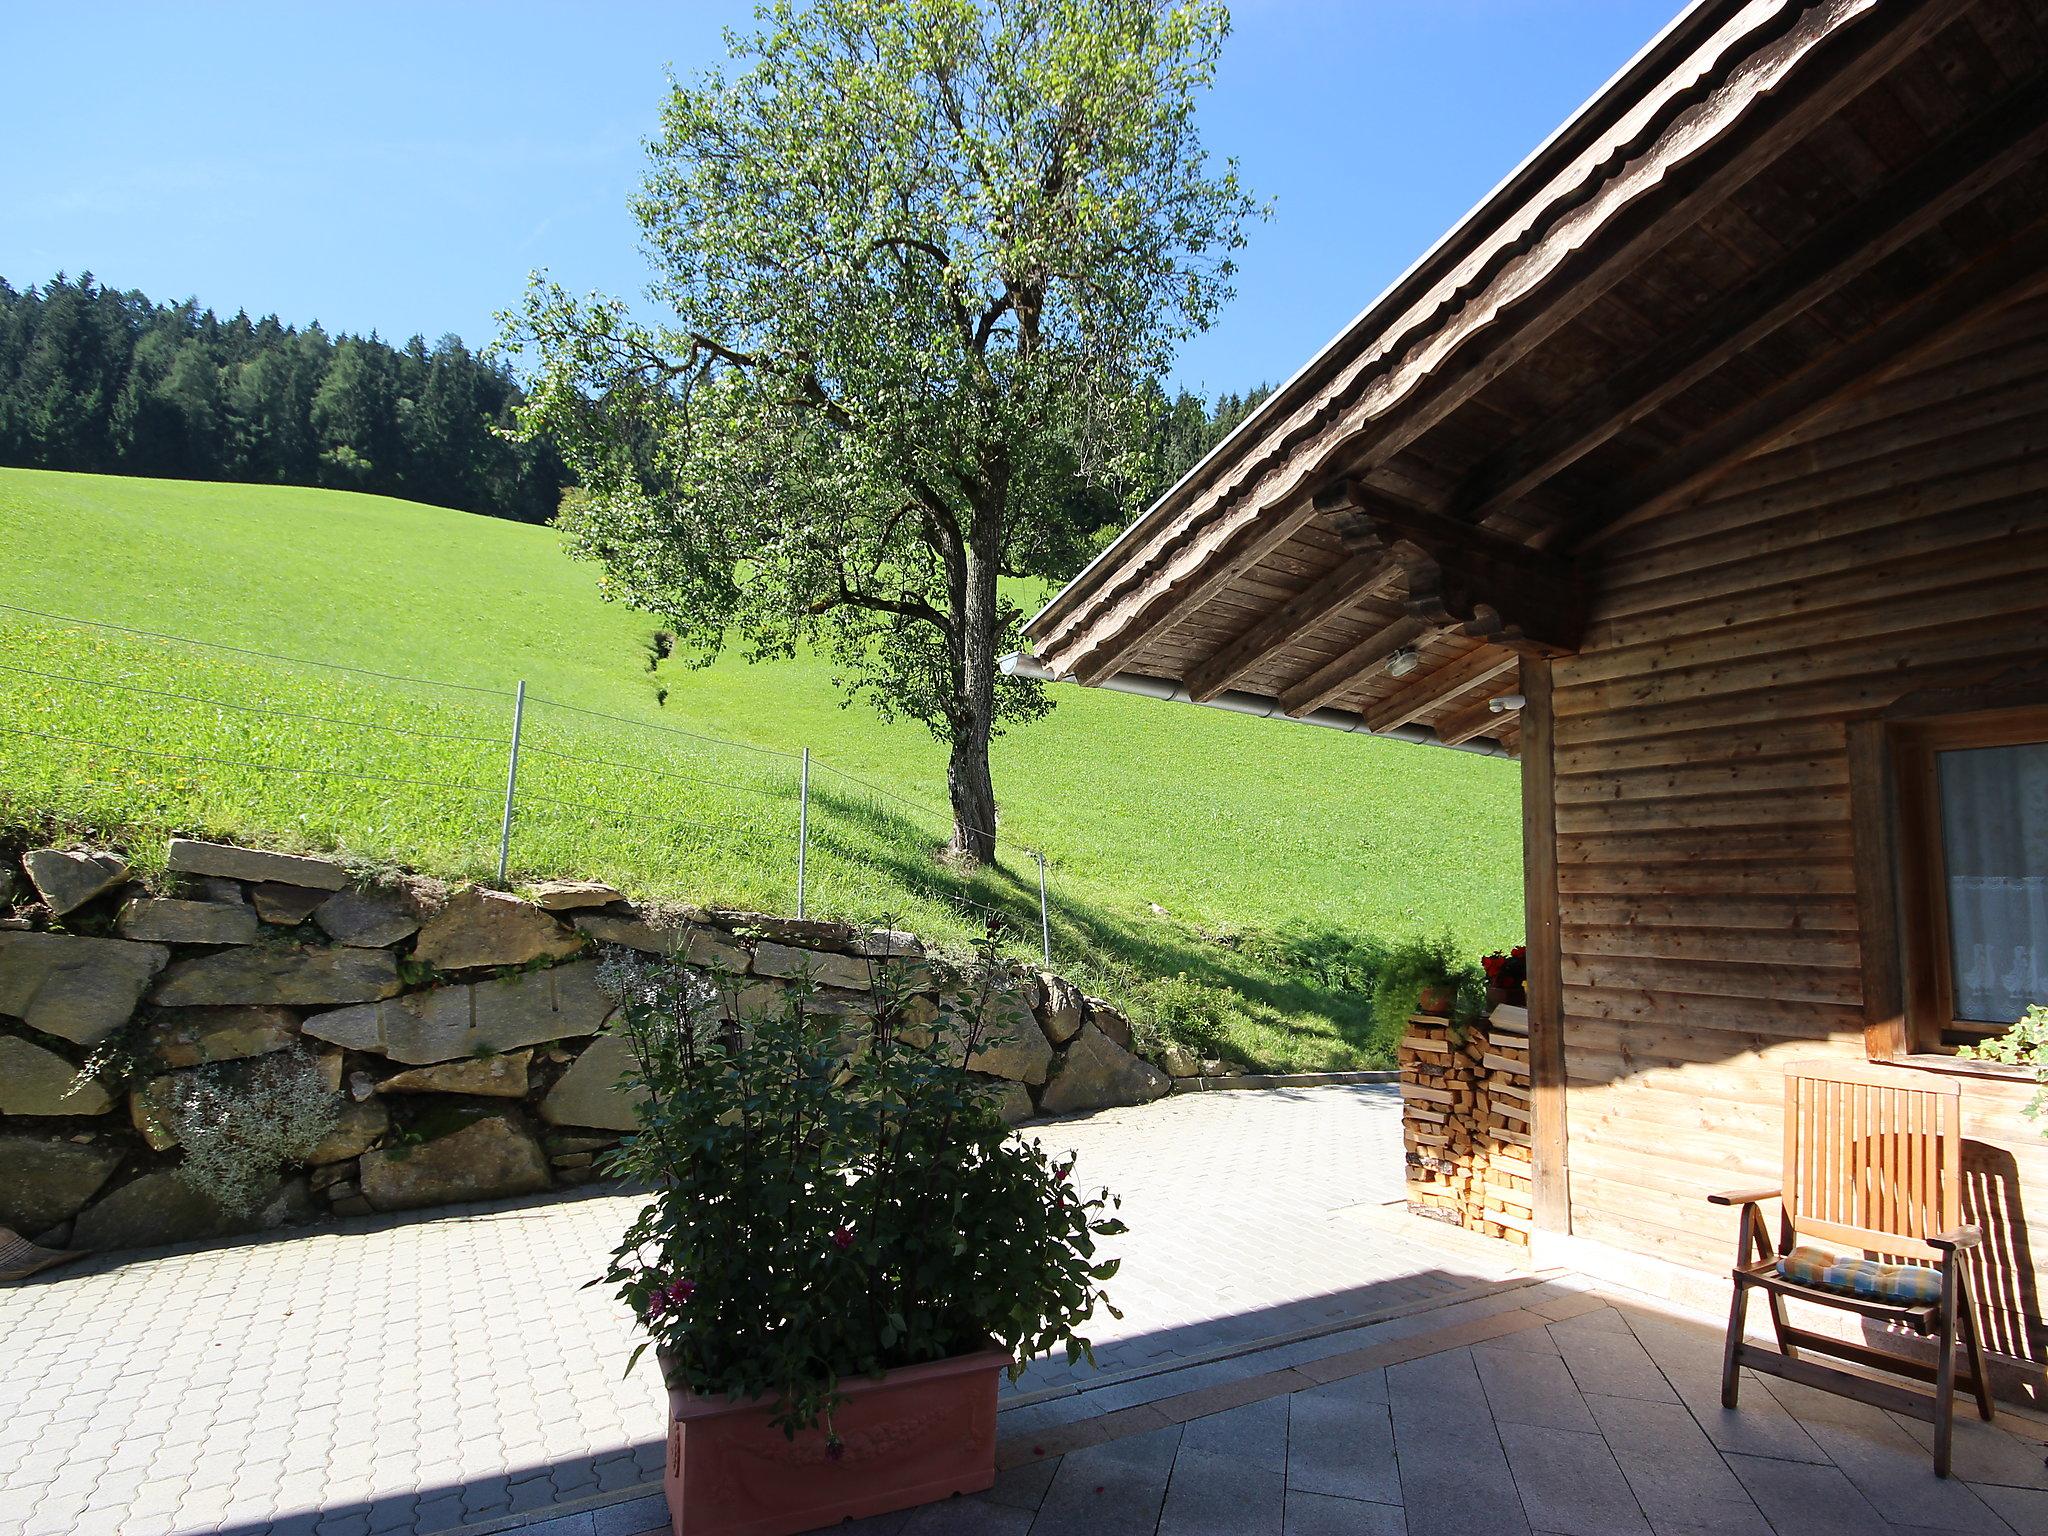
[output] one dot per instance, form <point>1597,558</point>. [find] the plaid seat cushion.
<point>1904,1285</point>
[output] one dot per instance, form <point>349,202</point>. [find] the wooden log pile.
<point>1465,1121</point>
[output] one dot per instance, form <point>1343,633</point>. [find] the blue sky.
<point>402,167</point>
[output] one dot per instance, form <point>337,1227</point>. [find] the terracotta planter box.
<point>917,1434</point>
<point>1437,1001</point>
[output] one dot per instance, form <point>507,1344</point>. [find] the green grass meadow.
<point>1179,841</point>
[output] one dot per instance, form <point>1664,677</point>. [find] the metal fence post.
<point>803,829</point>
<point>1044,919</point>
<point>511,780</point>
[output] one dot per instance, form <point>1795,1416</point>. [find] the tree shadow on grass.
<point>900,857</point>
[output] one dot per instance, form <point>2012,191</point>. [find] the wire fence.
<point>110,722</point>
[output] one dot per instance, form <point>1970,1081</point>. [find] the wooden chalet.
<point>1704,467</point>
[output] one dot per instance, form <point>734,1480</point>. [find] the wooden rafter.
<point>1951,175</point>
<point>1471,719</point>
<point>1334,677</point>
<point>1463,335</point>
<point>1965,297</point>
<point>1467,579</point>
<point>1438,685</point>
<point>1360,577</point>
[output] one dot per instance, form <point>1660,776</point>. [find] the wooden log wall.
<point>1465,1122</point>
<point>1708,918</point>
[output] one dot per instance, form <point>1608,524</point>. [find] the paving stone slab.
<point>1213,1495</point>
<point>1339,1445</point>
<point>1569,1482</point>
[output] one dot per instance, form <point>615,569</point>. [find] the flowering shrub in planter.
<point>836,1203</point>
<point>1507,977</point>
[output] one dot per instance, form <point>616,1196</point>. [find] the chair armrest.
<point>1956,1237</point>
<point>1744,1197</point>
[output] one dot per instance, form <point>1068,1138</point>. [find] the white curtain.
<point>1994,824</point>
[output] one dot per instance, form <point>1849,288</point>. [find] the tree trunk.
<point>968,782</point>
<point>973,794</point>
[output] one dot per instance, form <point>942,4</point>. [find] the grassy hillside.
<point>1239,829</point>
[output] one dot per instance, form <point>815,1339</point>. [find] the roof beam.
<point>1473,719</point>
<point>1894,343</point>
<point>1438,686</point>
<point>1468,579</point>
<point>1334,677</point>
<point>1948,177</point>
<point>1461,336</point>
<point>1363,575</point>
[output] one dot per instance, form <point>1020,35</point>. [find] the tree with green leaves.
<point>921,262</point>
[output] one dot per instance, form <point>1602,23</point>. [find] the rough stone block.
<point>35,1081</point>
<point>1060,1014</point>
<point>489,1159</point>
<point>360,1127</point>
<point>167,920</point>
<point>826,970</point>
<point>480,927</point>
<point>472,1019</point>
<point>286,905</point>
<point>573,895</point>
<point>155,1209</point>
<point>189,857</point>
<point>589,1093</point>
<point>81,989</point>
<point>299,975</point>
<point>1095,1072</point>
<point>67,878</point>
<point>191,1037</point>
<point>802,932</point>
<point>1109,1020</point>
<point>1014,1104</point>
<point>44,1181</point>
<point>491,1077</point>
<point>372,919</point>
<point>1009,1042</point>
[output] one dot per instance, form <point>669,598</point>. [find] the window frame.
<point>1900,867</point>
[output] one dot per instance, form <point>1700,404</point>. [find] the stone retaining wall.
<point>462,1035</point>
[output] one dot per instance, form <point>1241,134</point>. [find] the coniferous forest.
<point>95,379</point>
<point>92,378</point>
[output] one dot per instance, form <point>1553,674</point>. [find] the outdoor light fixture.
<point>1501,703</point>
<point>1403,661</point>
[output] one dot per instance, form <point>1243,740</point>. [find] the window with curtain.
<point>1994,854</point>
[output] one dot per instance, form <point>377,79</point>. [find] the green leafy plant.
<point>241,1124</point>
<point>1179,1010</point>
<point>2025,1044</point>
<point>1413,965</point>
<point>835,1198</point>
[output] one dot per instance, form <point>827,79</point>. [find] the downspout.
<point>1024,664</point>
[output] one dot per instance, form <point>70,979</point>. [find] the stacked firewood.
<point>1465,1121</point>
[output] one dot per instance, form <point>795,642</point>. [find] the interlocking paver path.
<point>428,1375</point>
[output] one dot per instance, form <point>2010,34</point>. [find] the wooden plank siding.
<point>1705,861</point>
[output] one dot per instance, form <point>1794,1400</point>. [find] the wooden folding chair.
<point>1871,1223</point>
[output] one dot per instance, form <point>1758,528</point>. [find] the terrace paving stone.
<point>225,1388</point>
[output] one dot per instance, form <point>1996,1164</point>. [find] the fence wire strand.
<point>716,834</point>
<point>234,762</point>
<point>243,650</point>
<point>653,773</point>
<point>499,742</point>
<point>666,730</point>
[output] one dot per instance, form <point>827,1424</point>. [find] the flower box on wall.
<point>916,1434</point>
